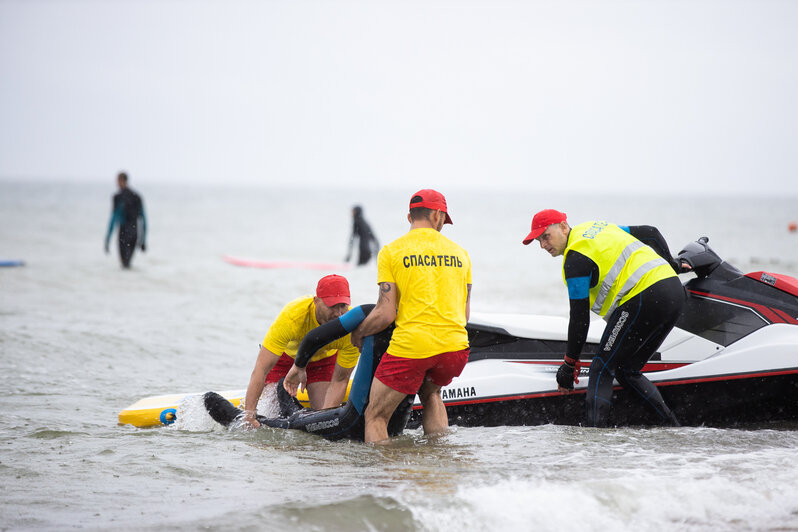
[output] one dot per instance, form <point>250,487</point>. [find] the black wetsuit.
<point>632,335</point>
<point>127,208</point>
<point>367,242</point>
<point>345,421</point>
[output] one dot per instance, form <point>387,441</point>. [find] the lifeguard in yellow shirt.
<point>328,370</point>
<point>425,286</point>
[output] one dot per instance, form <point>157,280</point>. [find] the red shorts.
<point>318,371</point>
<point>406,375</point>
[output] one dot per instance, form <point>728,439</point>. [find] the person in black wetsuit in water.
<point>367,242</point>
<point>126,210</point>
<point>345,421</point>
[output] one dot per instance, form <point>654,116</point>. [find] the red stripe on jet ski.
<point>495,399</point>
<point>549,362</point>
<point>767,312</point>
<point>649,368</point>
<point>787,317</point>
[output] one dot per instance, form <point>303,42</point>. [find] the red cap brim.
<point>331,301</point>
<point>534,234</point>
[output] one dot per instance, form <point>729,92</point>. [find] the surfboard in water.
<point>11,263</point>
<point>253,263</point>
<point>161,410</point>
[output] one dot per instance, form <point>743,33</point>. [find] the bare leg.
<point>317,391</point>
<point>434,418</point>
<point>382,403</point>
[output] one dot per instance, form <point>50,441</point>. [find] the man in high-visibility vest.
<point>627,276</point>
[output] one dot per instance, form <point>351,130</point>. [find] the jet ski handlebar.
<point>703,260</point>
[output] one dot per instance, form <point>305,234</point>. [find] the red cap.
<point>333,289</point>
<point>431,199</point>
<point>542,221</point>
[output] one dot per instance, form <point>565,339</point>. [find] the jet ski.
<point>732,358</point>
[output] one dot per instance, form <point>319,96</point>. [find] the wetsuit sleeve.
<point>329,332</point>
<point>143,222</point>
<point>348,354</point>
<point>358,228</point>
<point>116,214</point>
<point>581,274</point>
<point>650,236</point>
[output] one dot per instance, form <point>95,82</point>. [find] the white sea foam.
<point>646,502</point>
<point>193,416</point>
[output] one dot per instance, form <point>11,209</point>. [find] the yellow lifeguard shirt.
<point>292,324</point>
<point>432,275</point>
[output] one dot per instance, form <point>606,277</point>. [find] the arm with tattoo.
<point>468,303</point>
<point>383,314</point>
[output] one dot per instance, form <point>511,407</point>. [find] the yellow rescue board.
<point>161,410</point>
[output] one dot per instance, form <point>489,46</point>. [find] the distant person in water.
<point>126,210</point>
<point>367,242</point>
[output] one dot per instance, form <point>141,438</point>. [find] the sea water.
<point>81,339</point>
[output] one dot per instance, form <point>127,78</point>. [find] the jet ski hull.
<point>510,377</point>
<point>732,358</point>
<point>725,402</point>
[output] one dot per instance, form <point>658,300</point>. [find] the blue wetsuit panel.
<point>352,319</point>
<point>578,287</point>
<point>361,383</point>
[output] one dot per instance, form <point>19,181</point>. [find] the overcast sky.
<point>595,95</point>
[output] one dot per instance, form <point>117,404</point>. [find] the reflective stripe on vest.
<point>632,281</point>
<point>623,263</point>
<point>612,275</point>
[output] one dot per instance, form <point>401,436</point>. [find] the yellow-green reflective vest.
<point>626,265</point>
